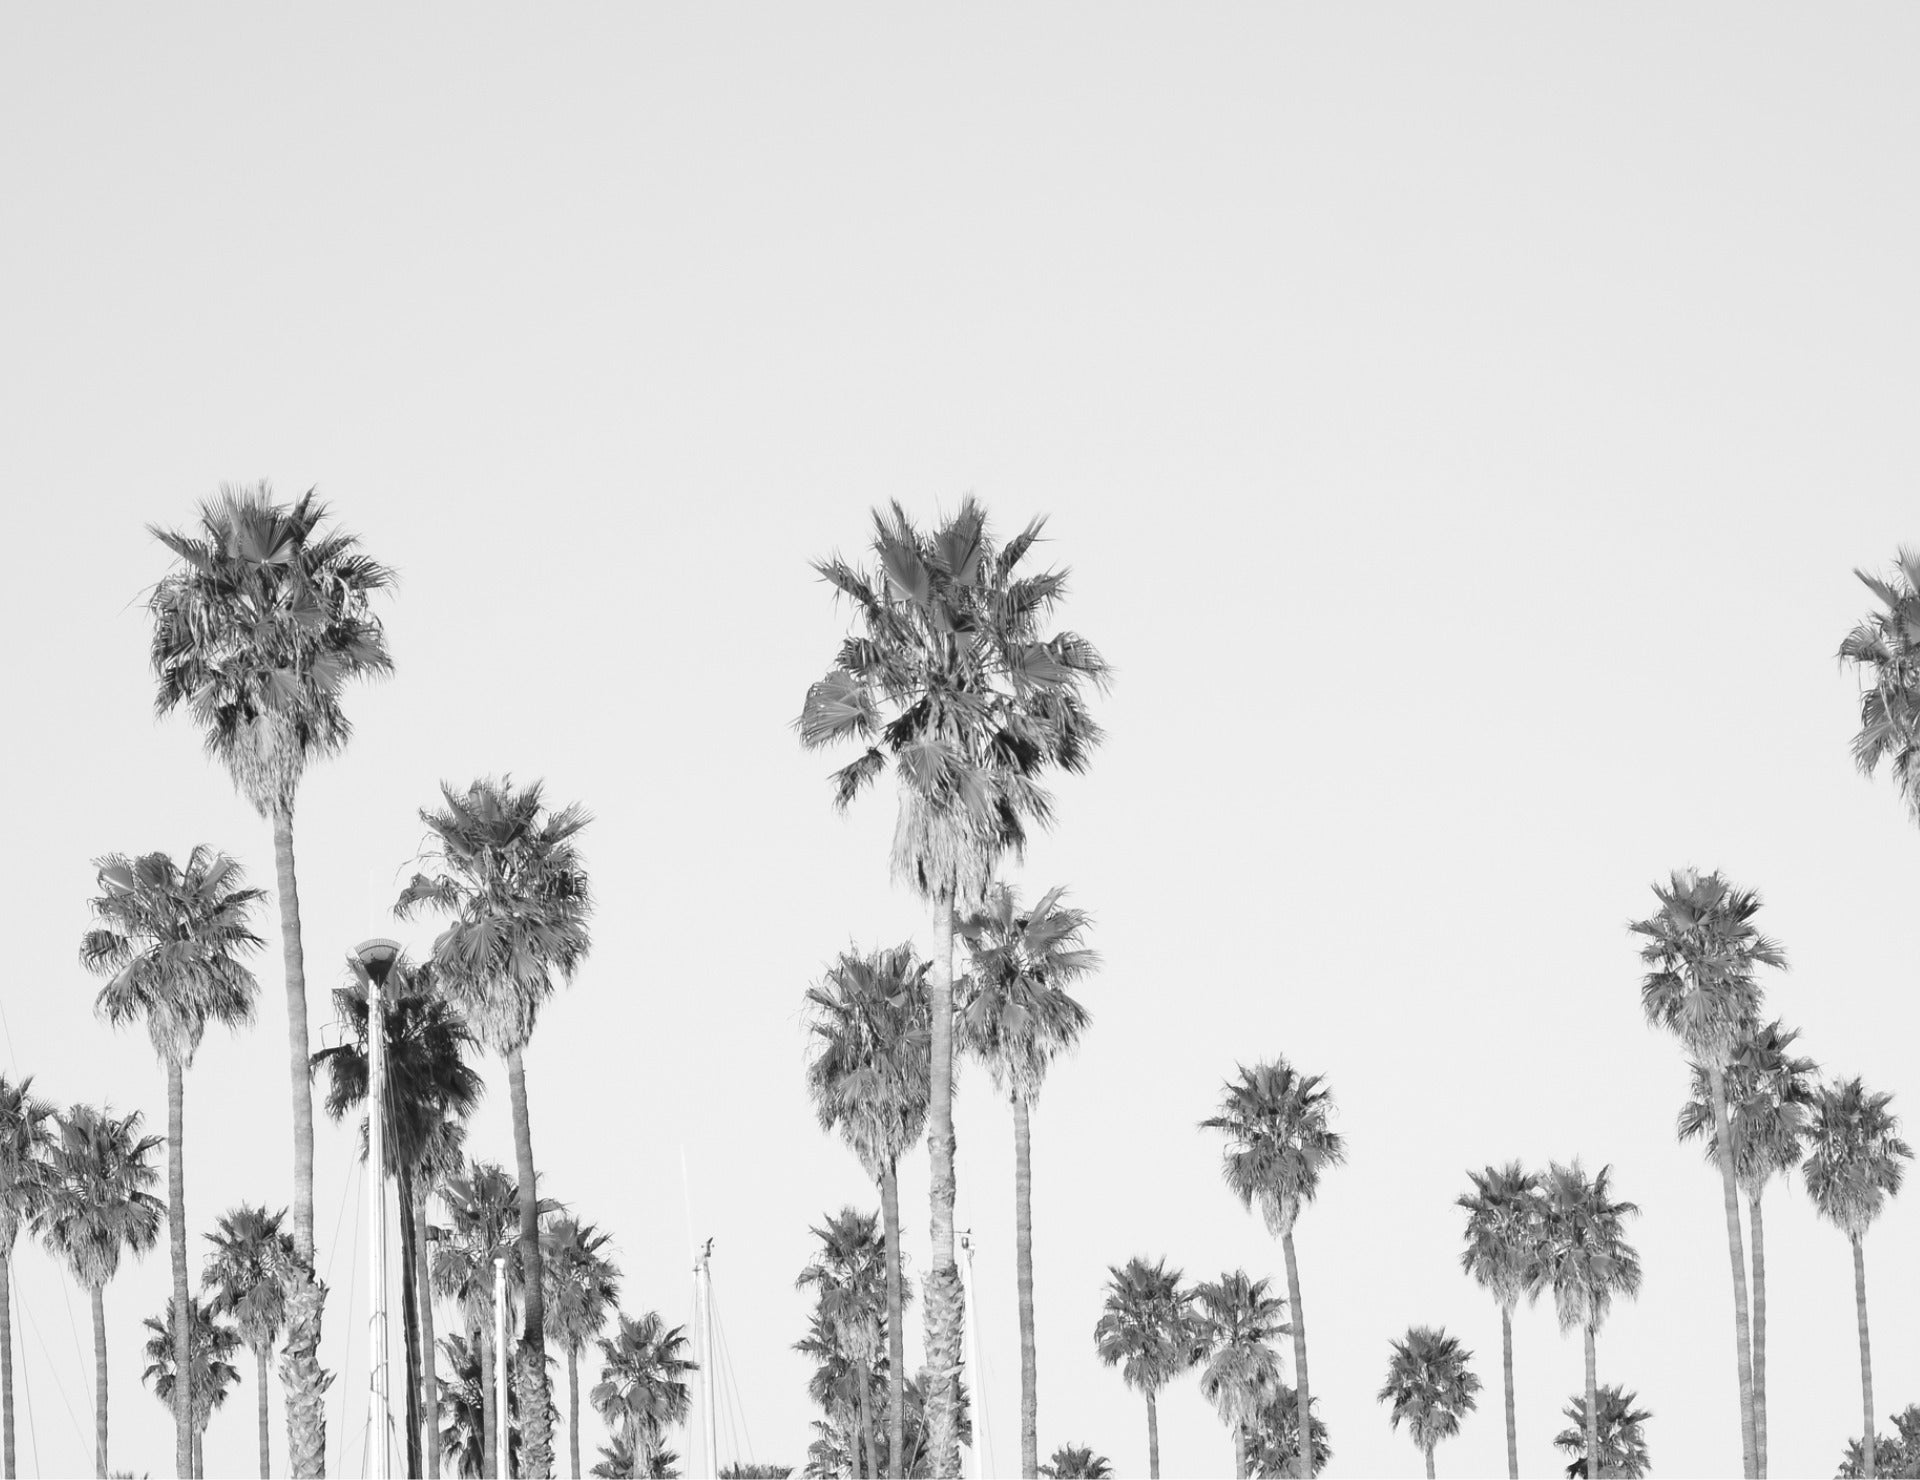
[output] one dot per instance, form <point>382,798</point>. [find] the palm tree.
<point>98,1206</point>
<point>1769,1098</point>
<point>1855,1161</point>
<point>1077,1462</point>
<point>24,1128</point>
<point>169,940</point>
<point>212,1343</point>
<point>257,630</point>
<point>430,1088</point>
<point>583,1289</point>
<point>1430,1386</point>
<point>1621,1430</point>
<point>1889,1458</point>
<point>1237,1320</point>
<point>1147,1330</point>
<point>848,1277</point>
<point>1016,1016</point>
<point>643,1388</point>
<point>950,676</point>
<point>1885,646</point>
<point>869,1074</point>
<point>1279,1141</point>
<point>246,1277</point>
<point>1585,1260</point>
<point>1503,1235</point>
<point>1703,952</point>
<point>466,1405</point>
<point>509,873</point>
<point>1274,1446</point>
<point>619,1461</point>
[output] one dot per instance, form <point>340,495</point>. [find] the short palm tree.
<point>1237,1321</point>
<point>583,1290</point>
<point>1274,1448</point>
<point>1703,954</point>
<point>847,1274</point>
<point>258,629</point>
<point>950,676</point>
<point>643,1381</point>
<point>1855,1161</point>
<point>1017,1014</point>
<point>1585,1260</point>
<point>465,1403</point>
<point>1076,1462</point>
<point>1147,1329</point>
<point>211,1373</point>
<point>509,873</point>
<point>1769,1099</point>
<point>1280,1140</point>
<point>1431,1387</point>
<point>869,1075</point>
<point>1503,1236</point>
<point>25,1122</point>
<point>170,941</point>
<point>430,1088</point>
<point>98,1207</point>
<point>1622,1436</point>
<point>245,1278</point>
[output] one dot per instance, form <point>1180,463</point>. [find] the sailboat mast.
<point>502,1360</point>
<point>376,960</point>
<point>976,1398</point>
<point>709,1378</point>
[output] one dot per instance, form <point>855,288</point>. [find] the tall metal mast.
<point>978,1398</point>
<point>376,959</point>
<point>502,1363</point>
<point>709,1379</point>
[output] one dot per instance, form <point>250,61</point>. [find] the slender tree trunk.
<point>429,1377</point>
<point>490,1416</point>
<point>1023,1279</point>
<point>1759,1337</point>
<point>1736,1256</point>
<point>182,1291</point>
<point>896,1337</point>
<point>1506,1368</point>
<point>301,1376</point>
<point>942,1316</point>
<point>1867,1444</point>
<point>264,1412</point>
<point>530,1376</point>
<point>1595,1470</point>
<point>1239,1451</point>
<point>98,1295</point>
<point>573,1409</point>
<point>9,1229</point>
<point>1297,1318</point>
<point>199,1457</point>
<point>867,1433</point>
<point>1153,1437</point>
<point>410,1317</point>
<point>1429,1454</point>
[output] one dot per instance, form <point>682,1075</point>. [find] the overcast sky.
<point>1461,422</point>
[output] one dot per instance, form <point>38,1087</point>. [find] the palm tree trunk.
<point>942,1312</point>
<point>429,1378</point>
<point>1429,1453</point>
<point>896,1337</point>
<point>1239,1451</point>
<point>1866,1355</point>
<point>1298,1319</point>
<point>1594,1469</point>
<point>300,1371</point>
<point>490,1417</point>
<point>182,1291</point>
<point>1759,1337</point>
<point>1153,1437</point>
<point>866,1419</point>
<point>263,1410</point>
<point>410,1317</point>
<point>1506,1365</point>
<point>199,1458</point>
<point>99,1298</point>
<point>1023,1279</point>
<point>573,1409</point>
<point>1730,1197</point>
<point>9,1230</point>
<point>530,1376</point>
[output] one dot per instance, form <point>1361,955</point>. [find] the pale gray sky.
<point>1461,422</point>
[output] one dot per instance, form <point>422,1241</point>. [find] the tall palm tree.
<point>170,940</point>
<point>643,1380</point>
<point>25,1121</point>
<point>246,1279</point>
<point>258,629</point>
<point>1016,1015</point>
<point>1769,1099</point>
<point>1585,1259</point>
<point>1077,1462</point>
<point>429,1086</point>
<point>1704,952</point>
<point>1621,1427</point>
<point>1503,1236</point>
<point>1237,1321</point>
<point>1280,1140</point>
<point>1855,1161</point>
<point>950,676</point>
<point>1431,1387</point>
<point>1147,1329</point>
<point>848,1277</point>
<point>583,1290</point>
<point>1274,1447</point>
<point>99,1206</point>
<point>1885,647</point>
<point>509,873</point>
<point>211,1373</point>
<point>869,1074</point>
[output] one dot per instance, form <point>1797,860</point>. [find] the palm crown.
<point>1702,949</point>
<point>1504,1226</point>
<point>1585,1258</point>
<point>1621,1431</point>
<point>643,1387</point>
<point>25,1128</point>
<point>245,1275</point>
<point>1015,1013</point>
<point>211,1343</point>
<point>1855,1158</point>
<point>1430,1385</point>
<point>1147,1327</point>
<point>1279,1139</point>
<point>1238,1321</point>
<point>848,1276</point>
<point>98,1202</point>
<point>583,1283</point>
<point>1770,1096</point>
<point>870,1061</point>
<point>1886,647</point>
<point>483,1224</point>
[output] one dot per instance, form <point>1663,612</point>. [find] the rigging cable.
<point>79,1432</point>
<point>26,1367</point>
<point>358,1180</point>
<point>738,1407</point>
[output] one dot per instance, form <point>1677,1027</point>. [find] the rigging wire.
<point>79,1432</point>
<point>26,1367</point>
<point>358,1180</point>
<point>739,1407</point>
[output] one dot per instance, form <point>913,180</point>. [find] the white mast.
<point>709,1379</point>
<point>376,960</point>
<point>977,1397</point>
<point>502,1362</point>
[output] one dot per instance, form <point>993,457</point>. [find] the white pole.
<point>376,959</point>
<point>976,1398</point>
<point>502,1363</point>
<point>711,1378</point>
